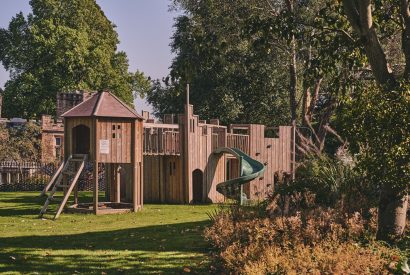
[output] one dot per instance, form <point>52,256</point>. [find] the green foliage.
<point>236,57</point>
<point>140,83</point>
<point>61,46</point>
<point>166,97</point>
<point>22,143</point>
<point>378,124</point>
<point>334,181</point>
<point>231,76</point>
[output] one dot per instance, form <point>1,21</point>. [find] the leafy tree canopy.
<point>61,46</point>
<point>236,56</point>
<point>21,143</point>
<point>231,77</point>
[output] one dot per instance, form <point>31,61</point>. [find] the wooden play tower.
<point>101,132</point>
<point>181,159</point>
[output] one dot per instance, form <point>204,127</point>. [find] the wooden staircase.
<point>66,177</point>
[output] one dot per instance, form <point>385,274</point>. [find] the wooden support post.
<point>134,179</point>
<point>65,183</point>
<point>186,158</point>
<point>96,157</point>
<point>161,180</point>
<point>141,178</point>
<point>117,197</point>
<point>108,189</point>
<point>76,187</point>
<point>95,188</point>
<point>76,194</point>
<point>240,175</point>
<point>111,181</point>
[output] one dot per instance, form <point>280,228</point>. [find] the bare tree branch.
<point>315,97</point>
<point>333,132</point>
<point>405,14</point>
<point>359,14</point>
<point>352,14</point>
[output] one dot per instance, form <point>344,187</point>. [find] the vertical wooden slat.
<point>134,167</point>
<point>96,158</point>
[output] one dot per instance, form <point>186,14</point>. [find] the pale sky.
<point>144,28</point>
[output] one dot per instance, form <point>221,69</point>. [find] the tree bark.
<point>405,13</point>
<point>292,71</point>
<point>392,214</point>
<point>293,81</point>
<point>393,203</point>
<point>359,14</point>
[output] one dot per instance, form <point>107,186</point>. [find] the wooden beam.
<point>161,125</point>
<point>134,167</point>
<point>96,157</point>
<point>117,183</point>
<point>187,128</point>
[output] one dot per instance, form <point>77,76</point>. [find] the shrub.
<point>329,182</point>
<point>323,222</point>
<point>318,240</point>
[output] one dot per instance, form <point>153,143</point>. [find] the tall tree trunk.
<point>292,71</point>
<point>293,82</point>
<point>405,14</point>
<point>392,214</point>
<point>393,203</point>
<point>359,14</point>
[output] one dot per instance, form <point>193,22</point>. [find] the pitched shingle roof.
<point>102,104</point>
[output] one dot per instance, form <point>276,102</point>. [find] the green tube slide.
<point>249,169</point>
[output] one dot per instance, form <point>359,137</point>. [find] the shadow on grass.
<point>31,203</point>
<point>160,248</point>
<point>164,248</point>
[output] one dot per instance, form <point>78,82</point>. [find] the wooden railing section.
<point>238,141</point>
<point>215,142</point>
<point>161,139</point>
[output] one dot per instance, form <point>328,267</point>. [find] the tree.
<point>265,62</point>
<point>326,57</point>
<point>383,114</point>
<point>20,143</point>
<point>233,76</point>
<point>61,46</point>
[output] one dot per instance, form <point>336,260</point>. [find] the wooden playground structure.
<point>182,159</point>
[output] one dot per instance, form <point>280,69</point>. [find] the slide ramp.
<point>250,169</point>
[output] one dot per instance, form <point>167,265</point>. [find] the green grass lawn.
<point>160,239</point>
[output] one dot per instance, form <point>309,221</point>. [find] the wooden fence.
<point>238,141</point>
<point>32,176</point>
<point>161,139</point>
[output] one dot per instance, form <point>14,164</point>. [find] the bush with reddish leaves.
<point>322,222</point>
<point>318,240</point>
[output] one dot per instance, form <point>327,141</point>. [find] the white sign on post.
<point>104,146</point>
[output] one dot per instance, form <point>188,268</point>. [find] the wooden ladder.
<point>57,181</point>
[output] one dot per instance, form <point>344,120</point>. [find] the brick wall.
<point>52,139</point>
<point>52,131</point>
<point>66,101</point>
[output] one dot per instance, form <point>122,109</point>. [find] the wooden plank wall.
<point>162,179</point>
<point>205,139</point>
<point>161,184</point>
<point>276,153</point>
<point>161,141</point>
<point>118,132</point>
<point>233,166</point>
<point>125,179</point>
<point>238,141</point>
<point>70,123</point>
<point>138,163</point>
<point>173,188</point>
